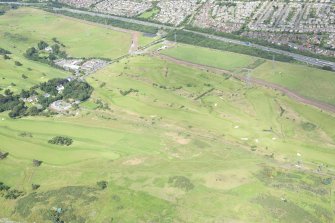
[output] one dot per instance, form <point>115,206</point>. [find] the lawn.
<point>307,81</point>
<point>25,27</point>
<point>210,57</point>
<point>173,143</point>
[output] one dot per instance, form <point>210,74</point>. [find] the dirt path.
<point>134,42</point>
<point>252,80</point>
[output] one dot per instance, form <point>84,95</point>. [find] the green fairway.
<point>25,27</point>
<point>210,57</point>
<point>307,81</point>
<point>169,142</point>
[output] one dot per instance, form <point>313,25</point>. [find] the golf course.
<point>172,133</point>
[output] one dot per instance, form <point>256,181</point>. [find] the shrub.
<point>13,194</point>
<point>307,126</point>
<point>124,93</point>
<point>61,140</point>
<point>4,52</point>
<point>6,57</point>
<point>327,181</point>
<point>4,187</point>
<point>37,162</point>
<point>102,184</point>
<point>35,186</point>
<point>3,155</point>
<point>24,76</point>
<point>17,63</point>
<point>181,182</point>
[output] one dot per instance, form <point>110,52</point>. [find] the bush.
<point>307,126</point>
<point>3,155</point>
<point>6,57</point>
<point>4,187</point>
<point>26,134</point>
<point>327,181</point>
<point>181,182</point>
<point>102,184</point>
<point>17,63</point>
<point>124,93</point>
<point>13,194</point>
<point>61,140</point>
<point>35,186</point>
<point>4,52</point>
<point>37,162</point>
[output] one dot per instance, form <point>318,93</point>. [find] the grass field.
<point>184,145</point>
<point>210,57</point>
<point>25,27</point>
<point>310,82</point>
<point>307,81</point>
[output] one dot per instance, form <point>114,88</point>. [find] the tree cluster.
<point>76,90</point>
<point>34,53</point>
<point>61,140</point>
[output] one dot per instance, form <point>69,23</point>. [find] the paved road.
<point>298,57</point>
<point>256,81</point>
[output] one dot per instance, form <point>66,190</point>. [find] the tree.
<point>33,111</point>
<point>42,45</point>
<point>25,94</point>
<point>8,92</point>
<point>18,110</point>
<point>55,48</point>
<point>31,53</point>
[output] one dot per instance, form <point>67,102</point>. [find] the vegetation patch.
<point>8,193</point>
<point>181,182</point>
<point>61,140</point>
<point>3,155</point>
<point>285,211</point>
<point>102,184</point>
<point>307,126</point>
<point>62,198</point>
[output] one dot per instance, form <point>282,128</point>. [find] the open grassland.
<point>25,27</point>
<point>231,144</point>
<point>307,81</point>
<point>175,144</point>
<point>205,56</point>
